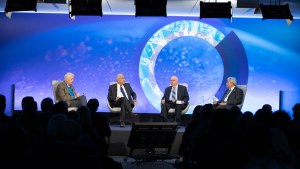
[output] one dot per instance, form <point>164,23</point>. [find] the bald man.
<point>66,92</point>
<point>122,95</point>
<point>175,96</point>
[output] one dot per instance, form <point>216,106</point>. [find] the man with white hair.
<point>122,95</point>
<point>66,92</point>
<point>233,96</point>
<point>175,96</point>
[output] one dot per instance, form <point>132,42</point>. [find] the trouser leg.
<point>127,105</point>
<point>164,111</point>
<point>78,102</point>
<point>122,115</point>
<point>82,100</point>
<point>120,103</point>
<point>75,103</point>
<point>178,109</point>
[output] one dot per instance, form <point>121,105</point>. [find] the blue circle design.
<point>173,31</point>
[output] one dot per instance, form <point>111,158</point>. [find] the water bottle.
<point>215,99</point>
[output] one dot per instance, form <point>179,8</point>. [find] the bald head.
<point>174,81</point>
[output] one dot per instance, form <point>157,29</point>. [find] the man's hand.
<point>215,102</point>
<point>223,104</point>
<point>117,98</point>
<point>179,102</point>
<point>77,95</point>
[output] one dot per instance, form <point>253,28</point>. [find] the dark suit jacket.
<point>235,97</point>
<point>63,94</point>
<point>112,93</point>
<point>182,94</point>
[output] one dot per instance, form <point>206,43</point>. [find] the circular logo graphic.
<point>205,74</point>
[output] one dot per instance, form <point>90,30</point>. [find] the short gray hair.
<point>68,75</point>
<point>232,80</point>
<point>174,77</point>
<point>120,74</point>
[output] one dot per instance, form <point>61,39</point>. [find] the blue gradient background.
<point>37,48</point>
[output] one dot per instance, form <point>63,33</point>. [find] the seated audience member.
<point>15,146</point>
<point>267,107</point>
<point>233,96</point>
<point>296,111</point>
<point>175,96</point>
<point>185,147</point>
<point>46,106</point>
<point>60,107</point>
<point>99,122</point>
<point>66,92</point>
<point>25,100</point>
<point>296,128</point>
<point>30,121</point>
<point>3,117</point>
<point>16,116</point>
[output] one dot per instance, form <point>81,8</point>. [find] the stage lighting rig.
<point>277,11</point>
<point>85,7</point>
<point>19,5</point>
<point>150,8</point>
<point>215,10</point>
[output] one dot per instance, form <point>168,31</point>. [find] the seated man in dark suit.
<point>233,96</point>
<point>65,92</point>
<point>175,96</point>
<point>122,95</point>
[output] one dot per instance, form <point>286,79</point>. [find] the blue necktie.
<point>173,95</point>
<point>71,92</point>
<point>124,95</point>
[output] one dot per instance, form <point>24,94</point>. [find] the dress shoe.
<point>122,124</point>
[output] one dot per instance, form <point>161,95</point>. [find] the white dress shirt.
<point>231,89</point>
<point>119,93</point>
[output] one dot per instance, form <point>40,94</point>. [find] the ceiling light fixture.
<point>85,7</point>
<point>150,7</point>
<point>19,5</point>
<point>215,10</point>
<point>277,12</point>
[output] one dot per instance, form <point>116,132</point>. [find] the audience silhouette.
<point>3,117</point>
<point>213,138</point>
